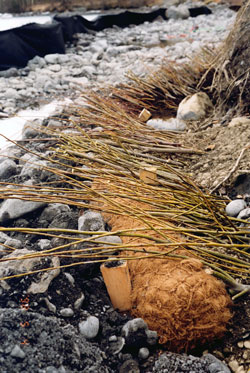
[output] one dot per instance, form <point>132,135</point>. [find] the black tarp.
<point>78,24</point>
<point>21,44</point>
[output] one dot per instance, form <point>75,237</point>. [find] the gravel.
<point>71,324</point>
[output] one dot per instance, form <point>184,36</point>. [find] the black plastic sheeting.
<point>77,24</point>
<point>21,44</point>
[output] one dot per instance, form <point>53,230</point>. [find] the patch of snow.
<point>11,128</point>
<point>8,22</point>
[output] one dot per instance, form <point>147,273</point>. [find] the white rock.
<point>235,207</point>
<point>172,124</point>
<point>89,328</point>
<point>194,107</point>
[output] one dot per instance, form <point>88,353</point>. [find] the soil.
<point>222,145</point>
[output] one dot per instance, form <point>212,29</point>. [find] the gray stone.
<point>143,353</point>
<point>18,352</point>
<point>91,221</point>
<point>7,169</point>
<point>15,208</point>
<point>90,327</point>
<point>67,312</point>
<point>234,207</point>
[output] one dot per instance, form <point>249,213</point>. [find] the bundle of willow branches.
<point>100,169</point>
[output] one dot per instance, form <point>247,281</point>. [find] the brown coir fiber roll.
<point>177,298</point>
<point>181,301</point>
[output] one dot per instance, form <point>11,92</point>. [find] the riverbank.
<point>70,326</point>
